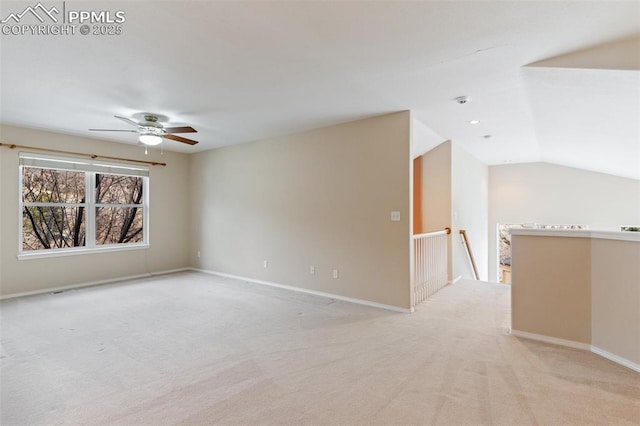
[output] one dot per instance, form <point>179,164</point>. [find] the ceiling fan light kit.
<point>150,139</point>
<point>152,132</point>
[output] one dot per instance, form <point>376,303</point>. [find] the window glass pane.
<point>53,227</point>
<point>56,207</point>
<point>116,189</point>
<point>119,225</point>
<point>52,186</point>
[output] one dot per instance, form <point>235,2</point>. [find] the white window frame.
<point>90,167</point>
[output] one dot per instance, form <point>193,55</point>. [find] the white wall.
<point>552,194</point>
<point>423,139</point>
<point>168,219</point>
<point>470,210</point>
<point>321,198</point>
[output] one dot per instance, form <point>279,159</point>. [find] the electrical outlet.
<point>335,274</point>
<point>265,264</point>
<point>312,270</point>
<point>198,253</point>
<point>395,216</point>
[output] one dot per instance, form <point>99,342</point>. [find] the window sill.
<point>40,254</point>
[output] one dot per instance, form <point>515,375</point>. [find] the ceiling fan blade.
<point>112,130</point>
<point>127,120</point>
<point>185,129</point>
<point>180,139</point>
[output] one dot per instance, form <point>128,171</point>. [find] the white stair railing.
<point>430,264</point>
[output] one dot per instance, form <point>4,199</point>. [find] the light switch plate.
<point>395,216</point>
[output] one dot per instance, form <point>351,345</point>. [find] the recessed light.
<point>474,122</point>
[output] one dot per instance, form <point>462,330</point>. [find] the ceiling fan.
<point>152,131</point>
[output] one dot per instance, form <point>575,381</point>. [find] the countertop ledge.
<point>578,233</point>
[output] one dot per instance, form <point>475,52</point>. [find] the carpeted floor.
<point>191,348</point>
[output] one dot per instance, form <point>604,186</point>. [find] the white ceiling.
<point>550,81</point>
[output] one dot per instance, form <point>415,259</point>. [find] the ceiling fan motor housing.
<point>150,126</point>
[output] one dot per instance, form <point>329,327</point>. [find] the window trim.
<point>90,168</point>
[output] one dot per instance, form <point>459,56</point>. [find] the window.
<point>71,205</point>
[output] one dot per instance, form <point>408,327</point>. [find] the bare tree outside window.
<point>56,209</point>
<point>119,216</point>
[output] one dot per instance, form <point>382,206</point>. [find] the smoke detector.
<point>462,100</point>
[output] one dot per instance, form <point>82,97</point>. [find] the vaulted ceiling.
<point>550,81</point>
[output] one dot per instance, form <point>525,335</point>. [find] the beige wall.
<point>168,231</point>
<point>436,194</point>
<point>547,193</point>
<point>579,286</point>
<point>469,200</point>
<point>2,207</point>
<point>615,297</point>
<point>319,198</point>
<point>454,194</point>
<point>436,188</point>
<point>551,287</point>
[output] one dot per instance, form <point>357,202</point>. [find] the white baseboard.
<point>92,283</point>
<point>455,280</point>
<point>307,291</point>
<point>552,340</point>
<point>577,345</point>
<point>615,358</point>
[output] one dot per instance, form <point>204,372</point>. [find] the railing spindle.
<point>430,268</point>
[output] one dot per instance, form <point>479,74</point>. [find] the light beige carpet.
<point>191,348</point>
